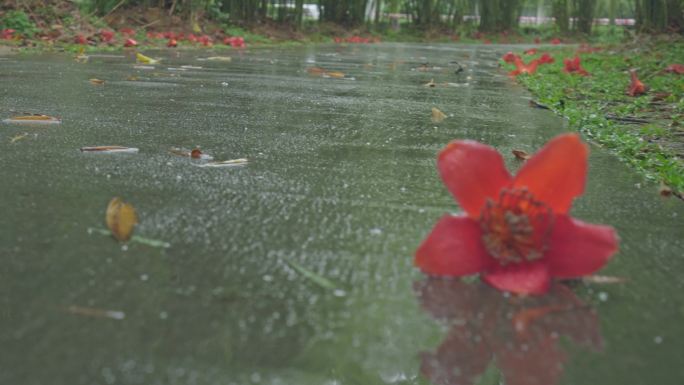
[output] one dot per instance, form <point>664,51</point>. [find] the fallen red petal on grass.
<point>106,36</point>
<point>127,31</point>
<point>573,66</point>
<point>7,34</point>
<point>509,57</point>
<point>531,51</point>
<point>172,43</point>
<point>80,39</point>
<point>636,87</point>
<point>556,41</point>
<point>545,58</point>
<point>522,68</point>
<point>675,69</point>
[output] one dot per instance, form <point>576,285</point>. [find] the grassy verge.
<point>645,131</point>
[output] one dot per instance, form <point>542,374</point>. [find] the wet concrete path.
<point>341,183</point>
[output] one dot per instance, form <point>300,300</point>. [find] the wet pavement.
<point>297,268</point>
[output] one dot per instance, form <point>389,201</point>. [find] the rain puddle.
<point>289,259</point>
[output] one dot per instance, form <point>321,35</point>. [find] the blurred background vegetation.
<point>560,17</point>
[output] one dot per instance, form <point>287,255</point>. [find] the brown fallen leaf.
<point>196,153</point>
<point>430,84</point>
<point>665,190</point>
<point>106,149</point>
<point>437,115</point>
<point>96,82</point>
<point>520,154</point>
<point>121,219</point>
<point>94,312</point>
<point>33,119</point>
<point>226,163</point>
<point>315,71</point>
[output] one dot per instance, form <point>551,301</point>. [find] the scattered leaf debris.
<point>437,115</point>
<point>109,149</point>
<point>521,154</point>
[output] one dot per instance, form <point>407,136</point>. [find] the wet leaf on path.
<point>109,149</point>
<point>226,163</point>
<point>603,279</point>
<point>536,104</point>
<point>195,153</point>
<point>520,154</point>
<point>140,58</point>
<point>97,313</point>
<point>430,84</point>
<point>96,82</point>
<point>121,219</point>
<point>33,119</point>
<point>17,138</point>
<point>334,74</point>
<point>664,190</point>
<point>226,59</point>
<point>139,67</point>
<point>437,115</point>
<point>313,277</point>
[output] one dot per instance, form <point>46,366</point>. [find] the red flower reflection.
<point>573,66</point>
<point>636,87</point>
<point>522,68</point>
<point>235,41</point>
<point>516,231</point>
<point>521,335</point>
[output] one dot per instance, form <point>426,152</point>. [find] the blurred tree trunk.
<point>378,11</point>
<point>584,12</point>
<point>499,15</point>
<point>559,9</point>
<point>651,15</point>
<point>675,18</point>
<point>299,13</point>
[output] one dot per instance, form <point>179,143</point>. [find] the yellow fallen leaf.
<point>94,312</point>
<point>520,154</point>
<point>145,59</point>
<point>81,57</point>
<point>132,78</point>
<point>431,83</point>
<point>335,74</point>
<point>18,137</point>
<point>97,82</point>
<point>121,219</point>
<point>437,115</point>
<point>219,58</point>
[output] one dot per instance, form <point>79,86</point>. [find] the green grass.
<point>596,105</point>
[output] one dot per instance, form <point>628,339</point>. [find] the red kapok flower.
<point>172,43</point>
<point>516,231</point>
<point>531,51</point>
<point>7,33</point>
<point>556,41</point>
<point>509,57</point>
<point>574,66</point>
<point>636,87</point>
<point>675,69</point>
<point>80,39</point>
<point>545,58</point>
<point>522,68</point>
<point>130,43</point>
<point>106,36</point>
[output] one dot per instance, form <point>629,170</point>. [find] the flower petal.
<point>524,278</point>
<point>578,248</point>
<point>453,248</point>
<point>473,172</point>
<point>556,174</point>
